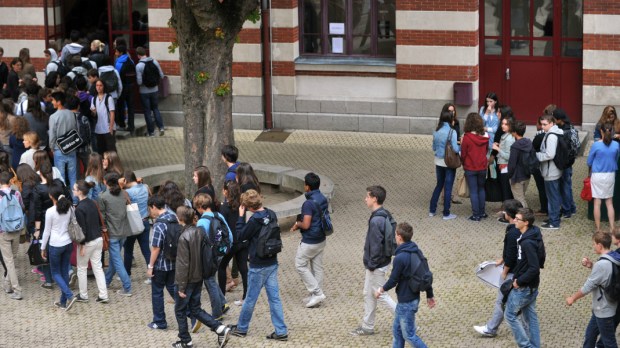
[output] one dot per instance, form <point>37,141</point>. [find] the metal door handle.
<point>507,73</point>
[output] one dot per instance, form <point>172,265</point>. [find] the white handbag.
<point>133,216</point>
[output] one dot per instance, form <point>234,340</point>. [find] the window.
<point>345,28</point>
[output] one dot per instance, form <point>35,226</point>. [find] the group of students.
<point>498,161</point>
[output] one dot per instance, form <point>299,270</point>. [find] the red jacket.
<point>474,150</point>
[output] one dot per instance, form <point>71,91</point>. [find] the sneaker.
<point>147,281</point>
<point>546,221</point>
<point>238,303</point>
<point>449,217</point>
<point>181,344</point>
<point>483,330</point>
<point>360,331</point>
<point>549,226</point>
<point>102,300</point>
<point>540,213</point>
<point>16,296</point>
<point>59,305</point>
<point>220,318</point>
<point>225,308</point>
<point>456,201</point>
<point>484,216</point>
<point>473,218</point>
<point>161,132</point>
<point>315,301</point>
<point>36,271</point>
<point>156,327</point>
<point>277,337</point>
<point>235,331</point>
<point>81,299</point>
<point>8,290</point>
<point>124,293</point>
<point>70,303</point>
<point>47,286</point>
<point>196,325</point>
<point>567,216</point>
<point>223,334</point>
<point>503,220</point>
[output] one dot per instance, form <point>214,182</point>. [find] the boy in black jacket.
<point>408,301</point>
<point>509,260</point>
<point>522,298</point>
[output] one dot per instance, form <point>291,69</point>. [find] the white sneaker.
<point>147,281</point>
<point>315,300</point>
<point>449,217</point>
<point>238,302</point>
<point>484,331</point>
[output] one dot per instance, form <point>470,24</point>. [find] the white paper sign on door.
<point>337,45</point>
<point>336,28</point>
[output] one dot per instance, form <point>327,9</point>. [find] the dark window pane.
<point>520,17</point>
<point>336,11</point>
<point>572,49</point>
<point>312,25</point>
<point>386,38</point>
<point>493,18</point>
<point>493,47</point>
<point>312,44</point>
<point>519,48</point>
<point>543,48</point>
<point>120,15</point>
<point>572,19</point>
<point>543,19</point>
<point>139,22</point>
<point>361,45</point>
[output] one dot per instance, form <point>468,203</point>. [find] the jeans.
<point>258,278</point>
<point>116,264</point>
<point>161,280</point>
<point>542,195</point>
<point>616,317</point>
<point>70,160</point>
<point>92,253</point>
<point>374,280</point>
<point>603,326</point>
<point>566,191</point>
<point>477,196</point>
<point>59,262</point>
<point>143,242</point>
<point>498,313</point>
<point>404,325</point>
<point>9,245</point>
<point>125,99</point>
<point>191,303</point>
<point>149,102</point>
<point>445,177</point>
<point>524,300</point>
<point>309,264</point>
<point>552,189</point>
<point>215,295</point>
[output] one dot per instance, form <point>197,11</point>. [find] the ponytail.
<point>607,131</point>
<point>56,191</point>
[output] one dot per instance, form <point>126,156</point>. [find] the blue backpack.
<point>12,215</point>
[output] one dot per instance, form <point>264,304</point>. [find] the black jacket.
<point>87,216</point>
<point>401,272</point>
<point>250,231</point>
<point>509,254</point>
<point>231,217</point>
<point>527,271</point>
<point>517,170</point>
<point>373,247</point>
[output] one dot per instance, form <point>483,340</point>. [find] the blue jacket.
<point>603,158</point>
<point>440,137</point>
<point>401,271</point>
<point>250,231</point>
<point>231,172</point>
<point>490,124</point>
<point>314,234</point>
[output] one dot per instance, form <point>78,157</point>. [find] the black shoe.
<point>503,220</point>
<point>81,299</point>
<point>474,218</point>
<point>567,216</point>
<point>548,226</point>
<point>223,336</point>
<point>235,332</point>
<point>102,300</point>
<point>181,344</point>
<point>484,216</point>
<point>276,337</point>
<point>225,308</point>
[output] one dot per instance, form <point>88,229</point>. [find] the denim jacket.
<point>491,123</point>
<point>439,140</point>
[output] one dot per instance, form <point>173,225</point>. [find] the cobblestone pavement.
<point>401,163</point>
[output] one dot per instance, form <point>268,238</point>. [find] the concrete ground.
<point>403,164</point>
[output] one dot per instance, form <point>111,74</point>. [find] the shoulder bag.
<point>104,234</point>
<point>75,231</point>
<point>451,158</point>
<point>133,216</point>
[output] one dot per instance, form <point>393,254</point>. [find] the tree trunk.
<point>206,32</point>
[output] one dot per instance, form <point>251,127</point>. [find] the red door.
<point>531,55</point>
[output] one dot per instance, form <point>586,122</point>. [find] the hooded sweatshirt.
<point>373,246</point>
<point>602,307</point>
<point>527,271</point>
<point>517,170</point>
<point>474,149</point>
<point>140,74</point>
<point>548,147</point>
<point>107,68</point>
<point>72,48</point>
<point>53,63</point>
<point>401,271</point>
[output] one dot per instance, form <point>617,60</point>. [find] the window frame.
<point>325,37</point>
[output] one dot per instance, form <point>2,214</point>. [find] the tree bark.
<point>206,33</point>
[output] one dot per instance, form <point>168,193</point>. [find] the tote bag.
<point>135,220</point>
<point>451,158</point>
<point>462,187</point>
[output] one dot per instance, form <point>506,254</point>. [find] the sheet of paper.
<point>489,274</point>
<point>337,43</point>
<point>336,28</point>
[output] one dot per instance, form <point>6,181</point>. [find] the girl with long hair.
<point>445,175</point>
<point>609,115</point>
<point>56,232</point>
<point>474,149</point>
<point>247,178</point>
<point>202,179</point>
<point>29,180</point>
<point>16,140</point>
<point>40,157</point>
<point>488,112</point>
<point>94,173</point>
<point>31,144</point>
<point>139,194</point>
<point>172,195</point>
<point>603,164</point>
<point>503,154</point>
<point>112,163</point>
<point>14,82</point>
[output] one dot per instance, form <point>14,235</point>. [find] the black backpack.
<point>209,258</point>
<point>110,81</point>
<point>219,234</point>
<point>389,233</point>
<point>421,278</point>
<point>128,72</point>
<point>150,74</point>
<point>171,238</point>
<point>542,253</point>
<point>562,159</point>
<point>269,242</point>
<point>83,127</point>
<point>62,69</point>
<point>530,162</point>
<point>612,290</point>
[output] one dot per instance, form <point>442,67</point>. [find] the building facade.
<point>371,65</point>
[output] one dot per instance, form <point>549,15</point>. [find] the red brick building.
<point>372,65</point>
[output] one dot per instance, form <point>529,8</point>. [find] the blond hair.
<point>251,199</point>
